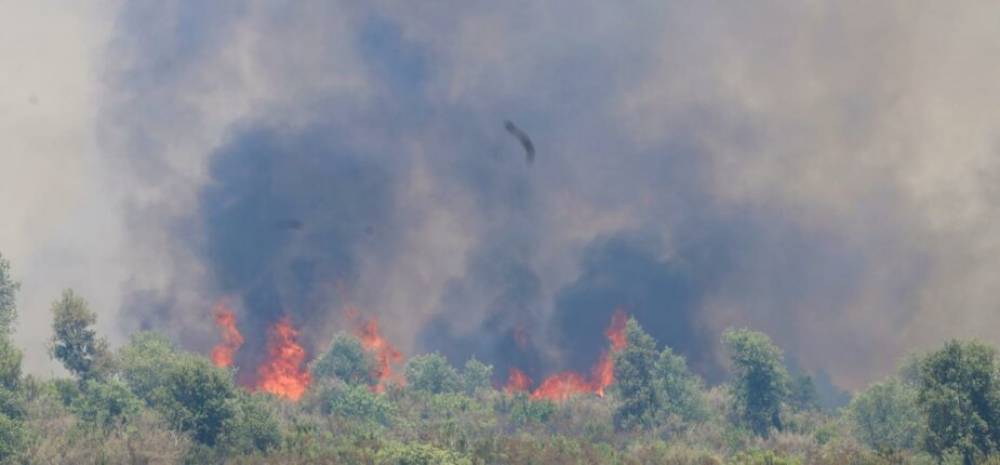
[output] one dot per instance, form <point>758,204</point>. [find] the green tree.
<point>802,393</point>
<point>144,361</point>
<point>8,298</point>
<point>885,417</point>
<point>432,373</point>
<point>105,404</point>
<point>12,406</point>
<point>10,364</point>
<point>192,394</point>
<point>360,404</point>
<point>253,426</point>
<point>75,342</point>
<point>346,360</point>
<point>680,390</point>
<point>524,410</point>
<point>761,381</point>
<point>476,375</point>
<point>959,395</point>
<point>635,371</point>
<point>418,454</point>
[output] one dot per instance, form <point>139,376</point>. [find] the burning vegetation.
<point>563,385</point>
<point>386,355</point>
<point>283,372</point>
<point>225,319</point>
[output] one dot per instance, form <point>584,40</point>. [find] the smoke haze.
<point>821,171</point>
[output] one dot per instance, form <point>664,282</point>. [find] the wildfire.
<point>222,353</point>
<point>562,386</point>
<point>566,384</point>
<point>282,373</point>
<point>517,381</point>
<point>386,355</point>
<point>603,373</point>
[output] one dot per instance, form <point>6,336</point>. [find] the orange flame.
<point>282,373</point>
<point>517,381</point>
<point>562,386</point>
<point>603,373</point>
<point>386,355</point>
<point>566,384</point>
<point>616,332</point>
<point>222,353</point>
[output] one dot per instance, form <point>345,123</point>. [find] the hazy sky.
<point>822,171</point>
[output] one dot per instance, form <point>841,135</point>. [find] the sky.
<point>821,171</point>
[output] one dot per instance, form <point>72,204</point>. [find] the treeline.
<point>151,403</point>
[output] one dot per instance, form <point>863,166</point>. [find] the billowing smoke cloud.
<point>804,169</point>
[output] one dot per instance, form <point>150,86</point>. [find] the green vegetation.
<point>149,402</point>
<point>635,368</point>
<point>345,360</point>
<point>760,386</point>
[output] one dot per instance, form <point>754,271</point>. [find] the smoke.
<point>807,169</point>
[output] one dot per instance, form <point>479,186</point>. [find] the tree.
<point>196,397</point>
<point>418,454</point>
<point>192,395</point>
<point>680,390</point>
<point>886,417</point>
<point>959,395</point>
<point>12,432</point>
<point>432,373</point>
<point>10,364</point>
<point>105,404</point>
<point>761,381</point>
<point>476,375</point>
<point>8,298</point>
<point>144,361</point>
<point>75,342</point>
<point>802,393</point>
<point>346,360</point>
<point>253,426</point>
<point>635,368</point>
<point>360,404</point>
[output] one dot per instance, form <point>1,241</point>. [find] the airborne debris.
<point>529,148</point>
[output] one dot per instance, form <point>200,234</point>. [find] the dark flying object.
<point>529,148</point>
<point>290,223</point>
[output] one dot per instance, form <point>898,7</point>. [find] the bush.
<point>253,426</point>
<point>886,417</point>
<point>476,376</point>
<point>192,395</point>
<point>418,454</point>
<point>432,373</point>
<point>345,360</point>
<point>105,404</point>
<point>358,403</point>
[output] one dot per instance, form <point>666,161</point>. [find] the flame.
<point>566,384</point>
<point>603,373</point>
<point>616,332</point>
<point>562,386</point>
<point>386,355</point>
<point>282,373</point>
<point>517,381</point>
<point>225,319</point>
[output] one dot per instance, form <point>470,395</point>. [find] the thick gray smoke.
<point>697,164</point>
